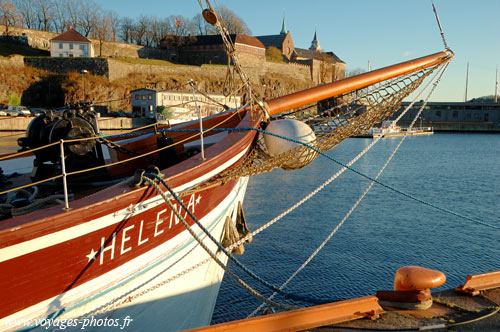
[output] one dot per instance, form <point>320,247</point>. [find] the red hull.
<point>50,252</point>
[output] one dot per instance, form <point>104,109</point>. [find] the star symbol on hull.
<point>198,199</point>
<point>92,255</point>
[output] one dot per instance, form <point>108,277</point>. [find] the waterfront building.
<point>454,116</point>
<point>180,104</point>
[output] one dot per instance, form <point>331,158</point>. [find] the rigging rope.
<point>436,80</point>
<point>150,178</point>
<point>224,250</point>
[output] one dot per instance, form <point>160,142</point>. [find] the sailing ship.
<point>127,231</point>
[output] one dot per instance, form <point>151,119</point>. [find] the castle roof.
<point>71,35</point>
<point>317,55</point>
<point>217,39</point>
<point>272,40</point>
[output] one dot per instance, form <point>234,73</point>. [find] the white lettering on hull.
<point>128,237</point>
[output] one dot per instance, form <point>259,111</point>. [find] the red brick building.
<point>210,49</point>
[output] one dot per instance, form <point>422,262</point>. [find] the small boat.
<point>128,231</point>
<point>390,129</point>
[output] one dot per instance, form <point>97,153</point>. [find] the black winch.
<point>77,121</point>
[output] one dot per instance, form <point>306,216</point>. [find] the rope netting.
<point>354,114</point>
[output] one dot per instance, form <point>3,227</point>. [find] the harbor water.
<point>456,172</point>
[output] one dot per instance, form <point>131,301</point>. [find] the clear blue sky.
<point>383,32</point>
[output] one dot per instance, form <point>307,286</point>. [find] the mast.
<point>466,81</point>
<point>496,86</point>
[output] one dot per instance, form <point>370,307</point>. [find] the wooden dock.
<point>456,309</point>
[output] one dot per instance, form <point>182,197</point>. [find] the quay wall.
<point>20,123</point>
<point>469,127</point>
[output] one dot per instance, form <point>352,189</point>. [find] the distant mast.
<point>496,86</point>
<point>466,81</point>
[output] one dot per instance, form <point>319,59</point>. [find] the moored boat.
<point>390,129</point>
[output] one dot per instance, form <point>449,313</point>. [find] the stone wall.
<point>35,38</point>
<point>118,69</point>
<point>41,39</point>
<point>13,61</point>
<point>96,66</point>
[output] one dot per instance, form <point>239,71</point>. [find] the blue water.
<point>458,172</point>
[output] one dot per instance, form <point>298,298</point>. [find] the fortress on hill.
<point>70,51</point>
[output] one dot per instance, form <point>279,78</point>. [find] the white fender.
<point>289,128</point>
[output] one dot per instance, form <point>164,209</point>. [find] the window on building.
<point>137,97</point>
<point>60,45</point>
<point>143,97</point>
<point>151,96</point>
<point>455,114</point>
<point>70,46</point>
<point>70,55</point>
<point>83,47</point>
<point>61,54</point>
<point>438,113</point>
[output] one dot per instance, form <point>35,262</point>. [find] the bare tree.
<point>44,12</point>
<point>9,15</point>
<point>202,27</point>
<point>27,12</point>
<point>114,23</point>
<point>233,22</point>
<point>103,30</point>
<point>126,29</point>
<point>60,18</point>
<point>155,31</point>
<point>89,15</point>
<point>140,30</point>
<point>71,12</point>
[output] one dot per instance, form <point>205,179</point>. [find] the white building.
<point>180,104</point>
<point>71,44</point>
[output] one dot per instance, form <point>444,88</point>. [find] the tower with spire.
<point>283,27</point>
<point>315,43</point>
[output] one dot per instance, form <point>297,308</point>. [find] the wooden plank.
<point>475,283</point>
<point>305,318</point>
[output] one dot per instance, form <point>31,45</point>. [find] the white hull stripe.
<point>71,233</point>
